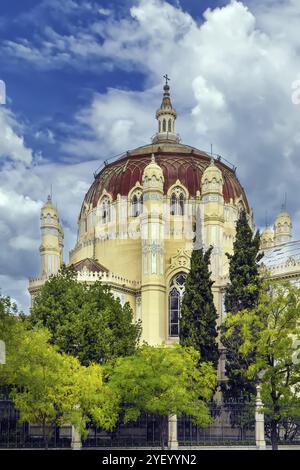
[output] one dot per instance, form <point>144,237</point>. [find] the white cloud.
<point>231,78</point>
<point>12,145</point>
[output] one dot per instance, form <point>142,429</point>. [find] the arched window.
<point>177,202</point>
<point>164,126</point>
<point>169,125</point>
<point>181,204</point>
<point>176,292</point>
<point>159,126</point>
<point>137,204</point>
<point>173,204</point>
<point>105,211</point>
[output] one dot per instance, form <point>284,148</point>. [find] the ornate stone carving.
<point>181,260</point>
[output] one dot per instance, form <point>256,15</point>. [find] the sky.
<point>84,78</point>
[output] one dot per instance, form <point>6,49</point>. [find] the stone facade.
<point>137,225</point>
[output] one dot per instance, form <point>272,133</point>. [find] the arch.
<point>177,202</point>
<point>164,125</point>
<point>137,204</point>
<point>175,296</point>
<point>181,204</point>
<point>105,209</point>
<point>169,125</point>
<point>173,204</point>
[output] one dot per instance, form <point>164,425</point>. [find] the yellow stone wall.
<point>124,256</point>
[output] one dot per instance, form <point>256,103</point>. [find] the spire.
<point>166,116</point>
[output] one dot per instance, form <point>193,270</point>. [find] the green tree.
<point>52,388</point>
<point>198,322</point>
<point>11,323</point>
<point>85,320</point>
<point>164,381</point>
<point>270,332</point>
<point>241,293</point>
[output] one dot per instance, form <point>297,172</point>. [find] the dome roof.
<point>177,161</point>
<point>282,217</point>
<point>48,207</point>
<point>212,171</point>
<point>267,232</point>
<point>153,169</point>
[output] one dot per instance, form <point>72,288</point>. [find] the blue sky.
<point>48,96</point>
<point>84,79</point>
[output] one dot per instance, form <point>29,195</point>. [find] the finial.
<point>212,162</point>
<point>152,158</point>
<point>49,199</point>
<point>267,222</point>
<point>167,78</point>
<point>283,207</point>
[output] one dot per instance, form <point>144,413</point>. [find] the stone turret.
<point>213,210</point>
<point>152,234</point>
<point>51,248</point>
<point>282,228</point>
<point>267,238</point>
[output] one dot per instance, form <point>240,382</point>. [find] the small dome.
<point>48,207</point>
<point>282,227</point>
<point>153,169</point>
<point>212,179</point>
<point>283,217</point>
<point>212,171</point>
<point>267,238</point>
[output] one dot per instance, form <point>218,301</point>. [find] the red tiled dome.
<point>178,162</point>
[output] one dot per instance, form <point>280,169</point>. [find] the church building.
<point>137,224</point>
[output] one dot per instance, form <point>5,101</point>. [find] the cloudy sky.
<point>84,79</point>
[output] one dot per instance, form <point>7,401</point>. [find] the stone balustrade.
<point>89,276</point>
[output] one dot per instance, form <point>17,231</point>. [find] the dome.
<point>49,209</point>
<point>283,217</point>
<point>177,161</point>
<point>283,227</point>
<point>267,238</point>
<point>153,169</point>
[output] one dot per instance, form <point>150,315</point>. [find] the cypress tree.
<point>242,293</point>
<point>198,322</point>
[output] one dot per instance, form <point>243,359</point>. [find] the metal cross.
<point>167,78</point>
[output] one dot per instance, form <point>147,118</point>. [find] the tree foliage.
<point>241,293</point>
<point>85,320</point>
<point>49,387</point>
<point>270,332</point>
<point>165,381</point>
<point>198,322</point>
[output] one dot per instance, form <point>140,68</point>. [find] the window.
<point>181,204</point>
<point>164,126</point>
<point>105,211</point>
<point>177,203</point>
<point>176,293</point>
<point>169,125</point>
<point>137,204</point>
